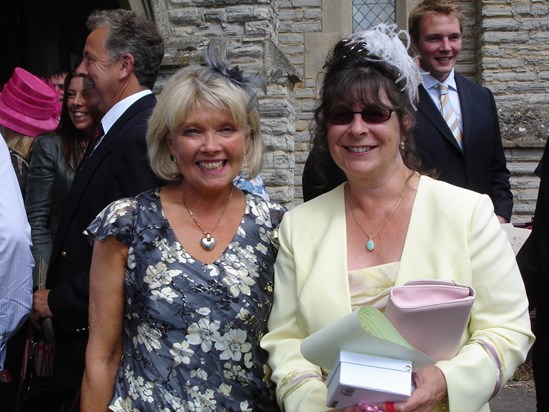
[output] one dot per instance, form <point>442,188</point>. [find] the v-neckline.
<point>220,256</point>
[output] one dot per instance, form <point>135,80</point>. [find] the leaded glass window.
<point>368,13</point>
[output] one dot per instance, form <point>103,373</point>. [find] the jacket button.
<point>63,253</point>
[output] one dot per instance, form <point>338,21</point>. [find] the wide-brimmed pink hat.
<point>28,105</point>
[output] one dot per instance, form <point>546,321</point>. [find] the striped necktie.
<point>448,113</point>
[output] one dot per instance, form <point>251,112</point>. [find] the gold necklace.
<point>370,245</point>
<point>208,241</point>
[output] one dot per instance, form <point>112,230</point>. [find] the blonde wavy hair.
<point>184,90</point>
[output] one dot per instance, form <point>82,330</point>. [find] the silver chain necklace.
<point>207,242</point>
<point>370,245</point>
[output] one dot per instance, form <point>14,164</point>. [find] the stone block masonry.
<point>505,48</point>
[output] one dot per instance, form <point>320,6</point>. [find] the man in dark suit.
<point>533,261</point>
<point>476,161</point>
<point>479,164</point>
<point>121,62</point>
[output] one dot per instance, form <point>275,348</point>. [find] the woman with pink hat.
<point>49,158</point>
<point>28,107</point>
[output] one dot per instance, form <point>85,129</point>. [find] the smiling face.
<point>209,148</point>
<point>100,70</point>
<point>364,149</point>
<point>77,106</point>
<point>438,44</point>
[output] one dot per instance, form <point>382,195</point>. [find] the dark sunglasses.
<point>342,116</point>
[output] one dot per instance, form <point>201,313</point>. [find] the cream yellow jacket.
<point>453,234</point>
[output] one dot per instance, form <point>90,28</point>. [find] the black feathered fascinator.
<point>216,59</point>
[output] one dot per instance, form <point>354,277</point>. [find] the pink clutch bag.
<point>431,315</point>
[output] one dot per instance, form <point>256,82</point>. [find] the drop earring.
<point>244,169</point>
<point>402,145</point>
<point>174,161</point>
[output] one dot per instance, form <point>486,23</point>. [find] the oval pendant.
<point>370,245</point>
<point>207,242</point>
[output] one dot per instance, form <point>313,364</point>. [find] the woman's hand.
<point>430,389</point>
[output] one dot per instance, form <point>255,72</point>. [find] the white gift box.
<point>357,377</point>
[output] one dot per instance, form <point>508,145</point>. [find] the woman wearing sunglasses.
<point>383,227</point>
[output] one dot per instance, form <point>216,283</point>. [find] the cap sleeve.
<point>117,219</point>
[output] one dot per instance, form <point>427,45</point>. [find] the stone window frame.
<point>337,22</point>
<point>143,7</point>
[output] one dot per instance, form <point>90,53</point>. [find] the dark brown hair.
<point>352,76</point>
<point>73,140</point>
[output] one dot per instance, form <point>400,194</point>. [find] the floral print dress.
<point>192,330</point>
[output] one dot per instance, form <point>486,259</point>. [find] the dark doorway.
<point>44,36</point>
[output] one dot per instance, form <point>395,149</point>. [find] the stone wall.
<point>251,31</point>
<point>505,47</point>
<point>298,20</point>
<point>513,61</point>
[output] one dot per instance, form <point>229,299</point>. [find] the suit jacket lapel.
<point>466,107</point>
<point>432,113</point>
<point>326,252</point>
<point>90,165</point>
